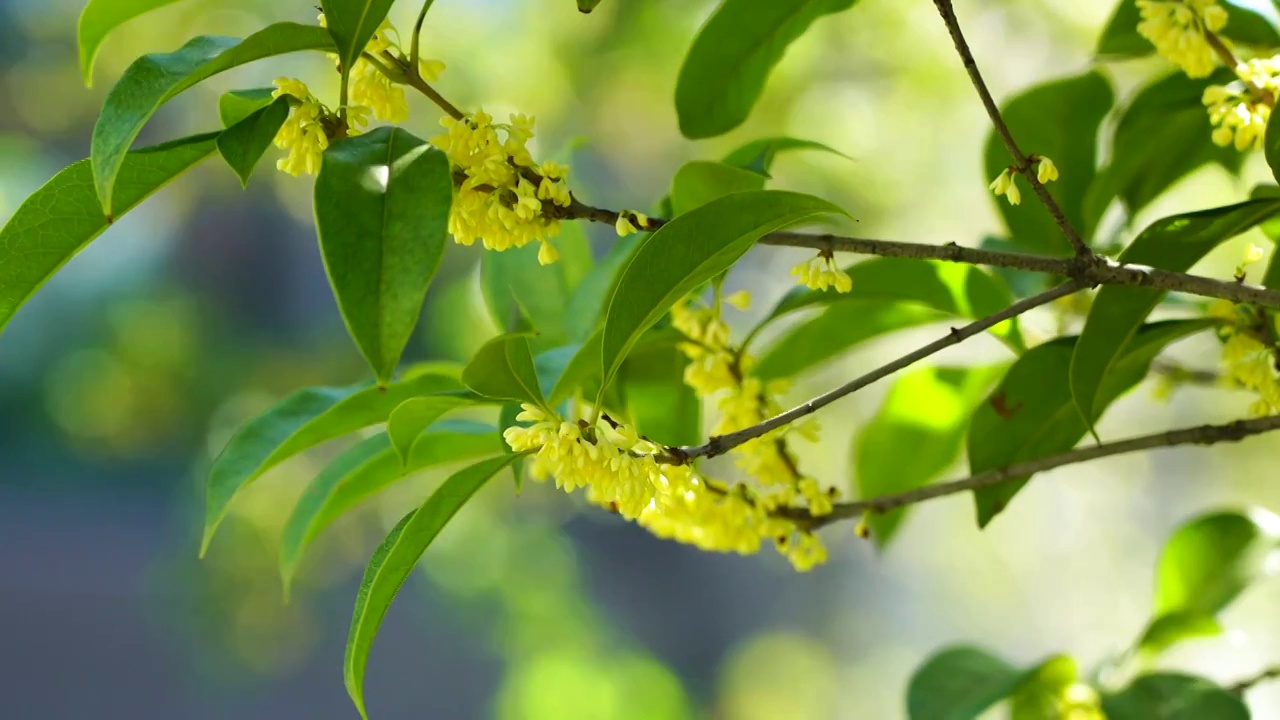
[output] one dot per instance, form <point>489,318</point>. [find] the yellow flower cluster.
<point>371,90</point>
<point>1006,182</point>
<point>1177,28</point>
<point>303,133</point>
<point>504,196</point>
<point>821,272</point>
<point>1240,110</point>
<point>620,471</point>
<point>1250,361</point>
<point>630,221</point>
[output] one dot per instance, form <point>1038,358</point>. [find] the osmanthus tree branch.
<point>720,444</point>
<point>1267,675</point>
<point>1020,159</point>
<point>1203,435</point>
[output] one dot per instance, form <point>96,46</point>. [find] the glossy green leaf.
<point>1031,415</point>
<point>243,144</point>
<point>304,419</point>
<point>928,411</point>
<point>658,402</point>
<point>99,18</point>
<point>523,295</point>
<point>1173,243</point>
<point>1060,120</point>
<point>1173,696</point>
<point>1039,696</point>
<point>1250,22</point>
<point>732,56</point>
<point>699,182</point>
<point>503,369</point>
<point>62,217</point>
<point>591,295</point>
<point>395,559</point>
<point>367,468</point>
<point>1205,565</point>
<point>689,251</point>
<point>413,416</point>
<point>568,369</point>
<point>839,328</point>
<point>959,683</point>
<point>1165,114</point>
<point>152,80</point>
<point>758,155</point>
<point>353,24</point>
<point>237,105</point>
<point>382,214</point>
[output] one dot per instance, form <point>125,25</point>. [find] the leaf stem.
<point>414,42</point>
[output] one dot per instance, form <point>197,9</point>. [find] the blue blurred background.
<point>131,368</point>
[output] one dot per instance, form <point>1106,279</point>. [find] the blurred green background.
<point>132,366</point>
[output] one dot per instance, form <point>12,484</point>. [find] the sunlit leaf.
<point>732,56</point>
<point>62,217</point>
<point>1039,696</point>
<point>1173,243</point>
<point>758,155</point>
<point>699,182</point>
<point>367,468</point>
<point>394,560</point>
<point>415,415</point>
<point>927,411</point>
<point>99,18</point>
<point>1173,696</point>
<point>353,24</point>
<point>237,105</point>
<point>1060,120</point>
<point>503,369</point>
<point>152,80</point>
<point>1204,566</point>
<point>304,419</point>
<point>243,144</point>
<point>1250,22</point>
<point>1030,414</point>
<point>689,251</point>
<point>382,213</point>
<point>959,683</point>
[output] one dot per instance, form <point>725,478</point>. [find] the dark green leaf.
<point>659,403</point>
<point>959,684</point>
<point>523,295</point>
<point>586,6</point>
<point>927,410</point>
<point>586,308</point>
<point>1204,566</point>
<point>699,182</point>
<point>99,18</point>
<point>304,419</point>
<point>237,105</point>
<point>367,468</point>
<point>63,216</point>
<point>503,369</point>
<point>1060,120</point>
<point>689,251</point>
<point>413,416</point>
<point>382,213</point>
<point>1031,414</point>
<point>243,144</point>
<point>1165,114</point>
<point>1173,696</point>
<point>1173,243</point>
<point>152,80</point>
<point>353,24</point>
<point>758,155</point>
<point>732,56</point>
<point>394,560</point>
<point>1251,22</point>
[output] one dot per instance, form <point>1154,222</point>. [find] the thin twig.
<point>1270,673</point>
<point>413,79</point>
<point>1203,435</point>
<point>1020,159</point>
<point>416,40</point>
<point>721,444</point>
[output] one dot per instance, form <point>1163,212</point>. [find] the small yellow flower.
<point>430,70</point>
<point>821,273</point>
<point>1239,111</point>
<point>627,223</point>
<point>303,134</point>
<point>1253,254</point>
<point>547,254</point>
<point>1177,28</point>
<point>1047,171</point>
<point>740,300</point>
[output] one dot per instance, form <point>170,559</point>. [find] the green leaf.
<point>394,560</point>
<point>244,143</point>
<point>840,327</point>
<point>353,24</point>
<point>305,419</point>
<point>1030,414</point>
<point>689,251</point>
<point>959,684</point>
<point>928,411</point>
<point>367,468</point>
<point>1251,22</point>
<point>62,217</point>
<point>413,416</point>
<point>1040,694</point>
<point>586,6</point>
<point>152,80</point>
<point>503,369</point>
<point>237,105</point>
<point>590,298</point>
<point>523,295</point>
<point>1166,114</point>
<point>1060,120</point>
<point>732,56</point>
<point>568,368</point>
<point>699,182</point>
<point>1204,566</point>
<point>1173,696</point>
<point>1173,243</point>
<point>658,402</point>
<point>99,18</point>
<point>382,213</point>
<point>758,155</point>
